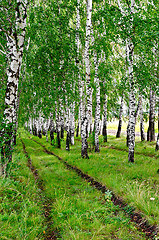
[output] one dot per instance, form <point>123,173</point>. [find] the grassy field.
<point>21,214</point>
<point>78,211</point>
<point>113,125</point>
<point>137,183</point>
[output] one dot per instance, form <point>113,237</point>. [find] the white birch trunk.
<point>141,120</point>
<point>77,62</point>
<point>87,63</point>
<point>15,43</point>
<point>97,111</point>
<point>72,122</point>
<point>67,127</point>
<point>120,118</point>
<point>105,118</point>
<point>39,126</point>
<point>51,129</point>
<point>151,128</point>
<point>131,137</point>
<point>57,126</point>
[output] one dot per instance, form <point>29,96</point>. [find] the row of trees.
<point>79,60</point>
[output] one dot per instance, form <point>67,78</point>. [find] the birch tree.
<point>15,45</point>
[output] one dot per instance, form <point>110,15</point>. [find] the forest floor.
<point>54,194</point>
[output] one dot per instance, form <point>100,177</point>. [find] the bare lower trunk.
<point>67,129</point>
<point>84,128</point>
<point>120,119</point>
<point>141,121</point>
<point>58,128</point>
<point>39,127</point>
<point>151,128</point>
<point>72,123</point>
<point>157,143</point>
<point>51,130</point>
<point>105,119</point>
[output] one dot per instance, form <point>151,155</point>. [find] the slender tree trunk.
<point>105,118</point>
<point>78,124</point>
<point>151,128</point>
<point>120,118</point>
<point>84,128</point>
<point>77,63</point>
<point>62,119</point>
<point>87,63</point>
<point>58,128</point>
<point>51,129</point>
<point>131,129</point>
<point>141,121</point>
<point>39,123</point>
<point>47,128</point>
<point>97,112</point>
<point>72,123</point>
<point>67,130</point>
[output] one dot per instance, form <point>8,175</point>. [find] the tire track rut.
<point>142,224</point>
<point>49,234</point>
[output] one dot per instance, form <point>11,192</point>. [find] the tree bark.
<point>120,118</point>
<point>141,121</point>
<point>87,63</point>
<point>157,143</point>
<point>58,128</point>
<point>15,43</point>
<point>97,111</point>
<point>51,129</point>
<point>105,119</point>
<point>84,128</point>
<point>131,128</point>
<point>67,128</point>
<point>151,128</point>
<point>72,123</point>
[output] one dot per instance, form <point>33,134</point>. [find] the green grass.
<point>20,206</point>
<point>136,183</point>
<point>78,210</point>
